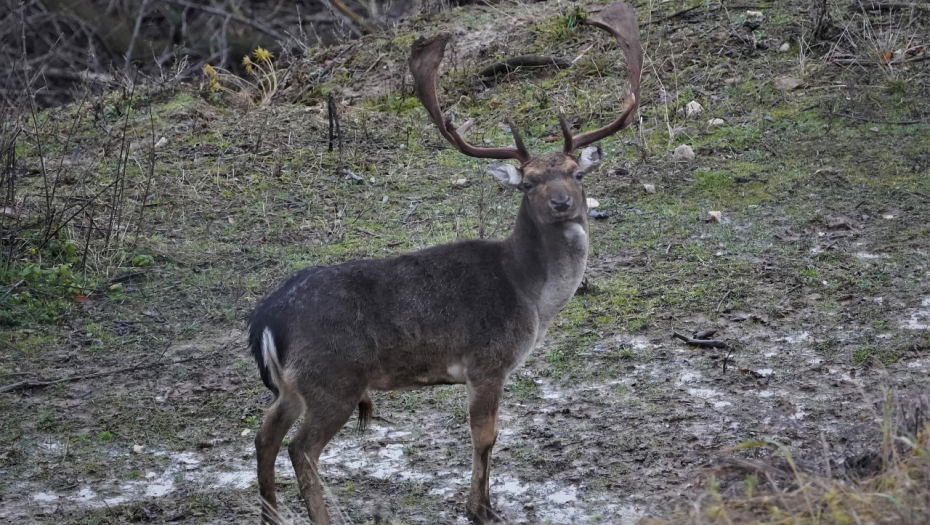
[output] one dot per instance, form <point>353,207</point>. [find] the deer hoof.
<point>482,513</point>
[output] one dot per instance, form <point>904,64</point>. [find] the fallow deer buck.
<point>466,312</point>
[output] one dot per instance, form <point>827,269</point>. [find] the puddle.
<point>704,393</point>
<point>554,501</point>
<point>563,496</point>
<point>919,318</point>
<point>797,338</point>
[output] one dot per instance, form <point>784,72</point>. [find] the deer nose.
<point>560,205</point>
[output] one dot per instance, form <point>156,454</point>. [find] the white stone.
<point>693,108</point>
<point>683,153</point>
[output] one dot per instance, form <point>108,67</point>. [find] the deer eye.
<point>527,186</point>
<point>579,175</point>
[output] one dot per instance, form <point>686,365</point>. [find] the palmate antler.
<point>618,19</point>
<point>425,57</point>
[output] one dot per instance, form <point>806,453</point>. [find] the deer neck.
<point>549,261</point>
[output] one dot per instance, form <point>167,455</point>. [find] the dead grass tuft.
<point>890,485</point>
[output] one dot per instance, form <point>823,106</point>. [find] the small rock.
<point>683,153</point>
<point>693,108</point>
<point>246,432</point>
<point>384,199</point>
<point>784,48</point>
<point>352,176</point>
<point>162,142</point>
<point>755,15</point>
<point>887,217</point>
<point>787,83</point>
<point>715,122</point>
<point>460,182</point>
<point>592,203</point>
<point>594,214</point>
<point>138,449</point>
<point>715,216</point>
<point>650,188</point>
<point>874,129</point>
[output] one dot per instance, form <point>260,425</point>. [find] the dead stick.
<point>701,343</point>
<point>523,61</point>
<point>264,28</point>
<point>23,385</point>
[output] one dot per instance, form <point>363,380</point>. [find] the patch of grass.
<point>523,387</point>
<point>566,27</point>
<point>864,355</point>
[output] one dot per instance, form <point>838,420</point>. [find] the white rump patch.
<point>505,174</point>
<point>456,371</point>
<point>590,158</point>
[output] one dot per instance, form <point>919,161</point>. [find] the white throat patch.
<point>575,232</point>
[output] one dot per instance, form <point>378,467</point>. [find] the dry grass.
<point>888,486</point>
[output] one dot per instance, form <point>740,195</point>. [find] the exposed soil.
<point>817,278</point>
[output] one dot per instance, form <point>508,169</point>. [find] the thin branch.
<point>268,30</point>
<point>25,385</point>
<point>523,61</point>
<point>701,343</point>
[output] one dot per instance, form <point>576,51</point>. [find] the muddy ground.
<point>817,277</point>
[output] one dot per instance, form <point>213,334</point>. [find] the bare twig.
<point>42,383</point>
<point>15,286</point>
<point>701,343</point>
<point>335,133</point>
<point>881,121</point>
<point>264,28</point>
<point>148,182</point>
<point>523,61</point>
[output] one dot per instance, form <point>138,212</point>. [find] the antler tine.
<point>425,56</point>
<point>619,20</point>
<point>517,138</point>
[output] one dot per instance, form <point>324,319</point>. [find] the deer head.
<point>551,182</point>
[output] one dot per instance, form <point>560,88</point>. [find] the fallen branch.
<point>880,121</point>
<point>701,343</point>
<point>523,61</point>
<point>25,385</point>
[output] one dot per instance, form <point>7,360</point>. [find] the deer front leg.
<point>484,399</point>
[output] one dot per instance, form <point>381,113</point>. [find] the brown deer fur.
<point>467,313</point>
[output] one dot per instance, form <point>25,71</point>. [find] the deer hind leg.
<point>326,413</point>
<point>277,422</point>
<point>484,399</point>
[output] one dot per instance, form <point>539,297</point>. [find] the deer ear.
<point>590,158</point>
<point>506,174</point>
